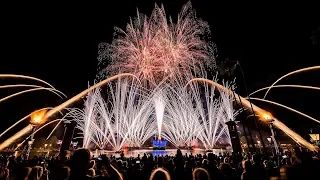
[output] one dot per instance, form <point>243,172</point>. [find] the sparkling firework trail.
<point>153,47</point>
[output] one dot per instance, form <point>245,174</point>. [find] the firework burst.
<point>154,48</point>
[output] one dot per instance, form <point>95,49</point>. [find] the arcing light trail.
<point>25,77</point>
<point>83,93</point>
<point>293,135</point>
<point>19,134</point>
<point>278,86</point>
<point>18,85</point>
<point>267,117</point>
<point>291,73</point>
<point>31,90</point>
<point>291,109</point>
<point>55,91</point>
<point>70,101</point>
<point>245,102</point>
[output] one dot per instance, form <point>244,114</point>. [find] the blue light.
<point>159,143</point>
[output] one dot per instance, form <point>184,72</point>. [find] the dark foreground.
<point>296,165</point>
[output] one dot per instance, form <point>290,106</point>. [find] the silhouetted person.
<point>79,165</point>
<point>160,174</point>
<point>24,173</point>
<point>247,173</point>
<point>213,169</point>
<point>227,171</point>
<point>304,166</point>
<point>257,167</point>
<point>269,169</point>
<point>200,174</point>
<point>179,170</point>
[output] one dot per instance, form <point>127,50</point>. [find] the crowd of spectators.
<point>299,164</point>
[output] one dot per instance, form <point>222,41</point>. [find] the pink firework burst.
<point>154,48</point>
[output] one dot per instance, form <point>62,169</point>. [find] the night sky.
<point>58,43</point>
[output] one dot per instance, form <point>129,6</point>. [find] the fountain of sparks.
<point>126,120</point>
<point>181,125</point>
<point>183,117</point>
<point>159,105</point>
<point>214,112</point>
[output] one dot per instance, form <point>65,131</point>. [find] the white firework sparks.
<point>181,124</point>
<point>127,122</point>
<point>212,112</point>
<point>159,105</point>
<point>131,116</point>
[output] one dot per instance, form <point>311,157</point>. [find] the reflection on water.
<point>170,152</point>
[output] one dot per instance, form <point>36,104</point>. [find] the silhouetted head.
<point>24,174</point>
<point>160,161</point>
<point>160,174</point>
<point>205,162</point>
<point>36,172</point>
<point>179,153</point>
<point>80,160</point>
<point>200,174</point>
<point>226,168</point>
<point>246,165</point>
<point>65,172</point>
<point>256,158</point>
<point>212,159</point>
